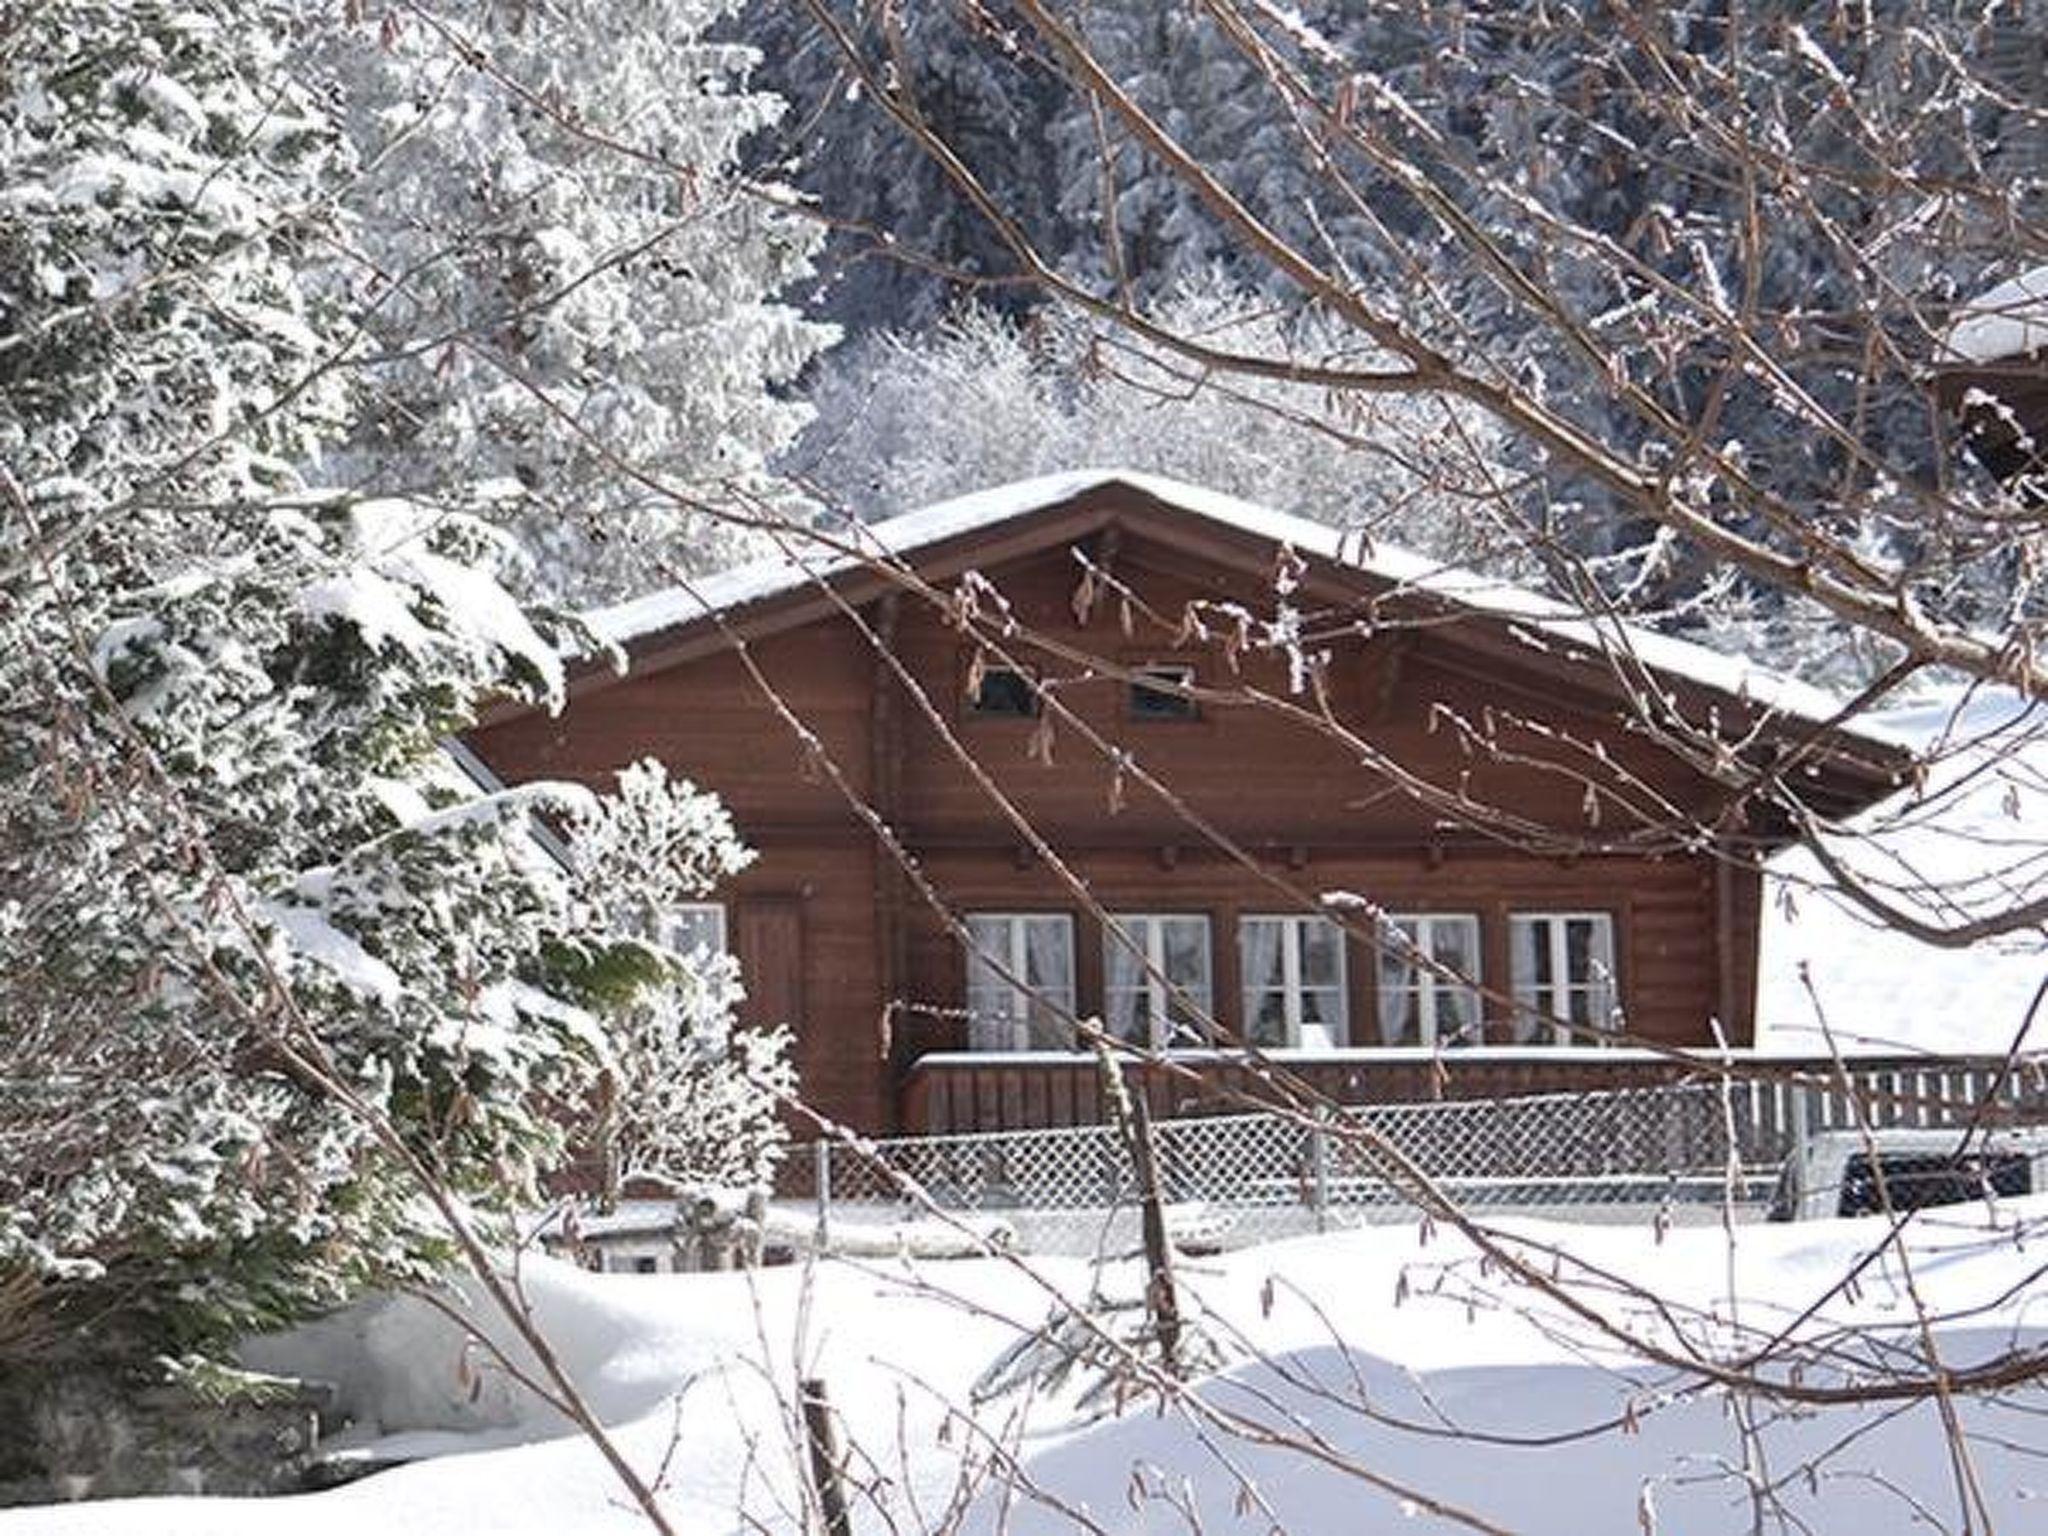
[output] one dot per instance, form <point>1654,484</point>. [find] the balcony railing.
<point>959,1092</point>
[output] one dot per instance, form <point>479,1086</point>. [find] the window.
<point>694,926</point>
<point>1420,1005</point>
<point>1162,998</point>
<point>1563,970</point>
<point>1004,693</point>
<point>1293,970</point>
<point>1037,950</point>
<point>1150,700</point>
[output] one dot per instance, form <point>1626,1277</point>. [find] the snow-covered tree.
<point>1698,268</point>
<point>685,1100</point>
<point>905,419</point>
<point>269,966</point>
<point>1130,221</point>
<point>907,248</point>
<point>566,276</point>
<point>902,245</point>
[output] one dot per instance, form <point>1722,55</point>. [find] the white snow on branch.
<point>376,607</point>
<point>312,937</point>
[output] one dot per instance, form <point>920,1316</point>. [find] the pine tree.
<point>905,245</point>
<point>568,277</point>
<point>1209,96</point>
<point>250,915</point>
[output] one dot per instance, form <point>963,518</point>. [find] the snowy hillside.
<point>1396,1376</point>
<point>1975,841</point>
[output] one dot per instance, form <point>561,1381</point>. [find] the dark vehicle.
<point>1854,1173</point>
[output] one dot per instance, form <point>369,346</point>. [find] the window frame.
<point>970,697</point>
<point>1154,994</point>
<point>1422,982</point>
<point>1291,988</point>
<point>1184,708</point>
<point>721,926</point>
<point>1534,1010</point>
<point>1017,962</point>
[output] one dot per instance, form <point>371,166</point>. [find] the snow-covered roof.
<point>2008,321</point>
<point>1537,621</point>
<point>898,538</point>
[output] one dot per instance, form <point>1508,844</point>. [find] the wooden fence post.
<point>821,1170</point>
<point>1134,1117</point>
<point>828,1477</point>
<point>1160,1289</point>
<point>1319,1167</point>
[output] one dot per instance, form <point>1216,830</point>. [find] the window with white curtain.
<point>1293,971</point>
<point>1156,979</point>
<point>693,926</point>
<point>1020,981</point>
<point>1563,967</point>
<point>1419,1003</point>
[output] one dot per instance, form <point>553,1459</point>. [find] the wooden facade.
<point>1446,759</point>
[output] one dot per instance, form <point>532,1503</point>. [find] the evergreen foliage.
<point>905,244</point>
<point>241,883</point>
<point>1581,205</point>
<point>566,278</point>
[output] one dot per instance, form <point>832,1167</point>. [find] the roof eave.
<point>1857,766</point>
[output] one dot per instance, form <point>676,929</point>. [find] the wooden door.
<point>768,939</point>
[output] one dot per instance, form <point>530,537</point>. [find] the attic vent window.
<point>1159,693</point>
<point>1005,693</point>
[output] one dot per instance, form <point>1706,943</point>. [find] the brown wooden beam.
<point>1726,1002</point>
<point>885,779</point>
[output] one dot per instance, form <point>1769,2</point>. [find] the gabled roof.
<point>959,534</point>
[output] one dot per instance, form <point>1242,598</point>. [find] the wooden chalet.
<point>1212,775</point>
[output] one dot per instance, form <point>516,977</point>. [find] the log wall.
<point>836,941</point>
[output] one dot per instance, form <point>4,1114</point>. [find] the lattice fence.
<point>1680,1153</point>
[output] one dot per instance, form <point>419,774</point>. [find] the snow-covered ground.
<point>1974,841</point>
<point>1381,1380</point>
